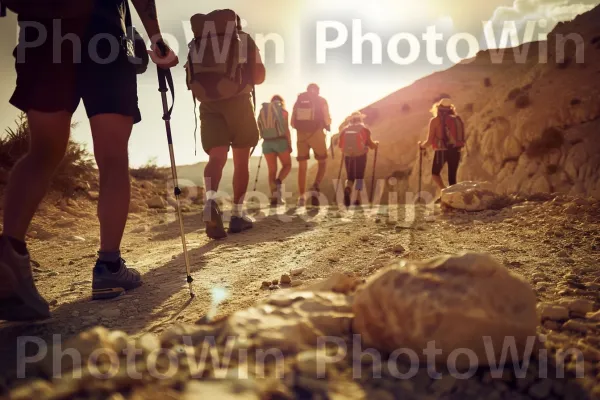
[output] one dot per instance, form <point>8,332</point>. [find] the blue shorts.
<point>275,146</point>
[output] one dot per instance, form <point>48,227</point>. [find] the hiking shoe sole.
<point>25,304</point>
<point>108,285</point>
<point>105,294</point>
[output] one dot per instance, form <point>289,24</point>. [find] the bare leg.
<point>217,158</point>
<point>241,174</point>
<point>271,160</point>
<point>111,134</point>
<point>31,176</point>
<point>286,165</point>
<point>302,166</point>
<point>322,168</point>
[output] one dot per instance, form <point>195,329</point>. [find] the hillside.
<point>547,143</point>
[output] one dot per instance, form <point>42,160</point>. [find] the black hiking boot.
<point>240,224</point>
<point>214,221</point>
<point>108,282</point>
<point>347,194</point>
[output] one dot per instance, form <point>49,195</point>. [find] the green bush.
<point>148,172</point>
<point>76,168</point>
<point>552,138</point>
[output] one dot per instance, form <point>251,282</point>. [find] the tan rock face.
<point>454,301</point>
<point>469,196</point>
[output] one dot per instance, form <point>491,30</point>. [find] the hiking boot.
<point>214,225</point>
<point>107,284</point>
<point>347,194</point>
<point>19,298</point>
<point>240,224</point>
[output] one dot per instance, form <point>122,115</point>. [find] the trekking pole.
<point>373,178</point>
<point>258,172</point>
<point>420,170</point>
<point>164,78</point>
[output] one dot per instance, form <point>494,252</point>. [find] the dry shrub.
<point>514,94</point>
<point>148,172</point>
<point>527,87</point>
<point>469,108</point>
<point>552,138</point>
<point>595,39</point>
<point>575,102</point>
<point>487,82</point>
<point>406,108</point>
<point>73,173</point>
<point>523,101</point>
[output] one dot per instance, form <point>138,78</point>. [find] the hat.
<point>445,103</point>
<point>358,115</point>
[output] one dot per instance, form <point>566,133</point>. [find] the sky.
<point>357,51</point>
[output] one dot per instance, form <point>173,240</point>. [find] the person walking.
<point>49,93</point>
<point>224,87</point>
<point>311,118</point>
<point>273,123</point>
<point>355,142</point>
<point>447,138</point>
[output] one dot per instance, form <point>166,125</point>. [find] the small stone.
<point>563,254</point>
<point>52,273</point>
<point>285,279</point>
<point>593,316</point>
<point>444,385</point>
<point>580,306</point>
<point>297,271</point>
<point>398,249</point>
<point>53,302</point>
<point>140,229</point>
<point>275,282</point>
<point>576,326</point>
<point>77,239</point>
<point>75,314</point>
<point>265,285</point>
<point>274,287</point>
<point>541,389</point>
<point>553,313</point>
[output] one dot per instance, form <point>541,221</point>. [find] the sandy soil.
<point>530,238</point>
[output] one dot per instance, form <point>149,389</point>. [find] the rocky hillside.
<point>532,126</point>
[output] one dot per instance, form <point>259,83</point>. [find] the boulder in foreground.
<point>470,196</point>
<point>455,301</point>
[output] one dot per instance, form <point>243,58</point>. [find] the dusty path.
<point>531,239</point>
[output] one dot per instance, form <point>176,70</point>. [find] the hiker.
<point>355,142</point>
<point>49,93</point>
<point>311,118</point>
<point>273,123</point>
<point>224,87</point>
<point>447,137</point>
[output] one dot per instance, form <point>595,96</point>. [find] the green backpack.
<point>271,121</point>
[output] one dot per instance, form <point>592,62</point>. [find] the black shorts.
<point>355,167</point>
<point>53,78</point>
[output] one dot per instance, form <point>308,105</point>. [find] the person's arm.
<point>146,9</point>
<point>430,136</point>
<point>293,121</point>
<point>373,145</point>
<point>326,115</point>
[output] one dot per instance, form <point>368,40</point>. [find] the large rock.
<point>469,196</point>
<point>156,202</point>
<point>454,301</point>
<point>293,321</point>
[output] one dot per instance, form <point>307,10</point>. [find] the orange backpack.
<point>353,141</point>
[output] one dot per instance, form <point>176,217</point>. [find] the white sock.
<point>211,195</point>
<point>237,210</point>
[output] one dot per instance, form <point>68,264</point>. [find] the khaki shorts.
<point>312,140</point>
<point>228,123</point>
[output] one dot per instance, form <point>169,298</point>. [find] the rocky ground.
<point>270,281</point>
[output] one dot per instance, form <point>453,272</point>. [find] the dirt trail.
<point>528,238</point>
